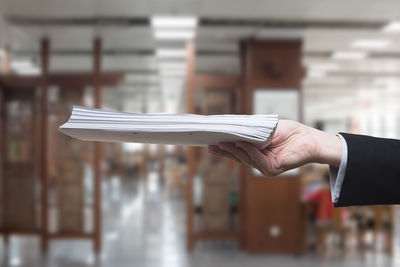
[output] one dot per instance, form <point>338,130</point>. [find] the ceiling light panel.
<point>32,71</point>
<point>173,22</point>
<point>172,65</point>
<point>393,26</point>
<point>324,66</point>
<point>314,73</point>
<point>171,53</point>
<point>370,43</point>
<point>172,72</point>
<point>25,67</point>
<point>20,64</point>
<point>174,34</point>
<point>350,55</point>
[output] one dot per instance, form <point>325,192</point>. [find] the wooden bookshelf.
<point>21,85</point>
<point>218,94</point>
<point>19,171</point>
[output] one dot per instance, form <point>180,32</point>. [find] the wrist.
<point>329,149</point>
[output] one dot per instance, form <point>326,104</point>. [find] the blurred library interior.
<point>333,65</point>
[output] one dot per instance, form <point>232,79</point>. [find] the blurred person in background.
<point>321,197</point>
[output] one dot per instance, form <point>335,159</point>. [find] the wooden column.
<point>3,71</point>
<point>270,209</point>
<point>97,148</point>
<point>242,171</point>
<point>45,51</point>
<point>2,157</point>
<point>190,108</point>
<point>5,61</point>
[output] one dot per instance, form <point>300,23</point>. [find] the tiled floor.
<point>145,227</point>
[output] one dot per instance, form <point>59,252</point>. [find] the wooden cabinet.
<point>270,208</point>
<point>19,181</point>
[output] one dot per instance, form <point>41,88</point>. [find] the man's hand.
<point>292,146</point>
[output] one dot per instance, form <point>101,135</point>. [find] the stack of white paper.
<point>186,129</point>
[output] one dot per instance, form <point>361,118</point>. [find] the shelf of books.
<point>19,172</point>
<point>66,169</point>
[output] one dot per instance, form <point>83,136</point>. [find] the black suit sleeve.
<point>372,173</point>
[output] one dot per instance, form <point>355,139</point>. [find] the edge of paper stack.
<point>91,124</point>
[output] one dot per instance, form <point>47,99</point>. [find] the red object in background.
<point>322,197</point>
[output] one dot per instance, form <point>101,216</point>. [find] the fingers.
<point>237,152</point>
<point>215,150</point>
<point>243,152</point>
<point>257,157</point>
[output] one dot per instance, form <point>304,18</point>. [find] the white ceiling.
<point>364,10</point>
<point>349,79</point>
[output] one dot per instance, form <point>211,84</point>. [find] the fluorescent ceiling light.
<point>393,26</point>
<point>171,80</point>
<point>25,67</point>
<point>132,147</point>
<point>314,73</point>
<point>172,65</point>
<point>172,69</point>
<point>349,55</point>
<point>174,34</point>
<point>370,43</point>
<point>141,78</point>
<point>324,66</point>
<point>28,71</point>
<point>173,22</point>
<point>172,72</point>
<point>20,64</point>
<point>171,52</point>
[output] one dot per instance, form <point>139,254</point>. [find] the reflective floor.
<point>144,226</point>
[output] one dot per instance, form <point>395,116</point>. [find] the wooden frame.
<point>201,80</point>
<point>97,148</point>
<point>66,79</point>
<point>190,108</point>
<point>268,64</point>
<point>96,79</point>
<point>5,230</point>
<point>45,52</point>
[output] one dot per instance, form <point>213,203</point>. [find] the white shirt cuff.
<point>337,176</point>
